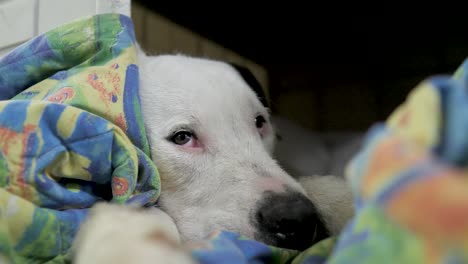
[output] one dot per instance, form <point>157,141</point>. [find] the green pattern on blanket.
<point>71,134</point>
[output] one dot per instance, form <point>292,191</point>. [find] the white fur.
<point>117,235</point>
<point>333,199</point>
<point>210,188</point>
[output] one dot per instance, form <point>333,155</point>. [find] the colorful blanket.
<point>410,181</point>
<point>71,134</point>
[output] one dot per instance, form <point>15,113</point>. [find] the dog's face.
<point>212,140</point>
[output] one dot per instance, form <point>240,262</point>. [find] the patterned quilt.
<point>71,134</point>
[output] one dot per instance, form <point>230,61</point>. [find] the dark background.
<point>341,67</point>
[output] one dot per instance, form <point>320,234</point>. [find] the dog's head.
<point>211,138</point>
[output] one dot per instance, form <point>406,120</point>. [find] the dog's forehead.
<point>202,82</point>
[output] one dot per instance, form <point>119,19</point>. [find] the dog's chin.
<point>310,235</point>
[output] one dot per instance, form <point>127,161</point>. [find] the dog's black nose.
<point>289,220</point>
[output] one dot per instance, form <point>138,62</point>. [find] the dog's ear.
<point>250,79</point>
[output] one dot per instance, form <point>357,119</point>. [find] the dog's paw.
<point>121,234</point>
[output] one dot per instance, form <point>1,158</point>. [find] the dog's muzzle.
<point>288,220</point>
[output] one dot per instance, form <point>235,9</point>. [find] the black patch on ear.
<point>250,79</point>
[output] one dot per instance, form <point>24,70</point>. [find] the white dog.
<point>211,139</point>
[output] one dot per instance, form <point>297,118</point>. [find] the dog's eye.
<point>260,121</point>
<point>182,137</point>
